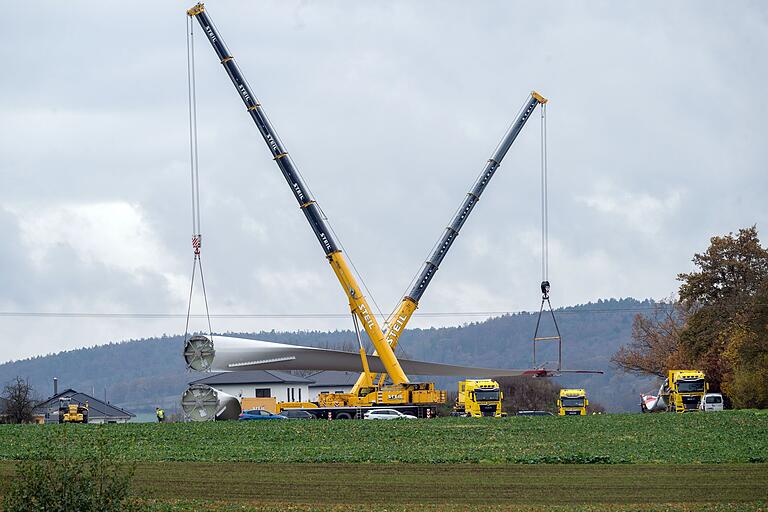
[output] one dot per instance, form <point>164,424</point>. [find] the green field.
<point>622,438</point>
<point>616,462</point>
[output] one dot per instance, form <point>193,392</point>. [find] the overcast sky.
<point>657,141</point>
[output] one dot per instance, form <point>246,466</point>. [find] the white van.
<point>711,402</point>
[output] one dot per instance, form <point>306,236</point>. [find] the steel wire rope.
<point>544,198</point>
<point>195,178</point>
<point>192,103</point>
<point>545,285</point>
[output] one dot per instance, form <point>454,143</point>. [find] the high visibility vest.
<point>161,414</point>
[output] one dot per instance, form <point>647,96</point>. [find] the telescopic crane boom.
<point>397,321</point>
<point>358,304</point>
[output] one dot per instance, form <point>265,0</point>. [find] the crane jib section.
<point>323,233</point>
<point>452,231</point>
<point>399,318</point>
<point>282,158</point>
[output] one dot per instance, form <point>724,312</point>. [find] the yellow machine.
<point>683,390</point>
<point>370,389</point>
<point>479,397</point>
<point>572,402</point>
<point>70,412</point>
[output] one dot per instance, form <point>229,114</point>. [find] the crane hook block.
<point>545,288</point>
<point>197,9</point>
<point>538,97</point>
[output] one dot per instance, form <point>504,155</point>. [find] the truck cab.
<point>684,390</point>
<point>479,397</point>
<point>572,402</point>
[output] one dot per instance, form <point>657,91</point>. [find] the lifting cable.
<point>197,238</point>
<point>545,249</point>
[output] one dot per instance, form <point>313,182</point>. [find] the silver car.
<point>387,414</point>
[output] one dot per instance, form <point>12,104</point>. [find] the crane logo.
<point>273,145</point>
<point>210,33</point>
<point>299,193</point>
<point>365,315</point>
<point>394,331</point>
<point>325,241</point>
<point>243,92</point>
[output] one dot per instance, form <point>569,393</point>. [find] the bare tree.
<point>527,394</point>
<point>20,401</point>
<point>655,345</point>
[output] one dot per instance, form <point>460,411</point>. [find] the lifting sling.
<point>197,237</point>
<point>545,252</point>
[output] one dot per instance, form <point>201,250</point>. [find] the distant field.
<point>728,437</point>
<point>440,487</point>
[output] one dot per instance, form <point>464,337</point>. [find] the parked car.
<point>534,413</point>
<point>260,414</point>
<point>387,414</point>
<point>293,414</point>
<point>711,402</point>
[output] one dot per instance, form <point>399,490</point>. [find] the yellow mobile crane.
<point>367,390</point>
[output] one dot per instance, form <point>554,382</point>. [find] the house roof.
<point>252,377</point>
<point>331,378</point>
<point>96,408</point>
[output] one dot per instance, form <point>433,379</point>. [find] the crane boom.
<point>473,196</point>
<point>323,233</point>
<point>397,321</point>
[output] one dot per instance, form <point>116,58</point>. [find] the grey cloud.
<point>390,110</point>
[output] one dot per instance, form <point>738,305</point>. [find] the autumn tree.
<point>722,295</point>
<point>745,354</point>
<point>20,401</point>
<point>719,324</point>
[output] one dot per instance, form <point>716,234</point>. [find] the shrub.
<point>57,476</point>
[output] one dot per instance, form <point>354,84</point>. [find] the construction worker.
<point>160,414</point>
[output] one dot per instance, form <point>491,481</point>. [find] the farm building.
<point>98,410</point>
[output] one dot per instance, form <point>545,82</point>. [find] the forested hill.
<point>140,374</point>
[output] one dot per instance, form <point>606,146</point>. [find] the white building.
<point>284,387</point>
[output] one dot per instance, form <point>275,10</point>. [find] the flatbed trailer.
<point>350,413</point>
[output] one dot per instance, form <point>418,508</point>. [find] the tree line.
<point>717,322</point>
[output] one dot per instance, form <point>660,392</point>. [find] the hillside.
<point>140,374</point>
